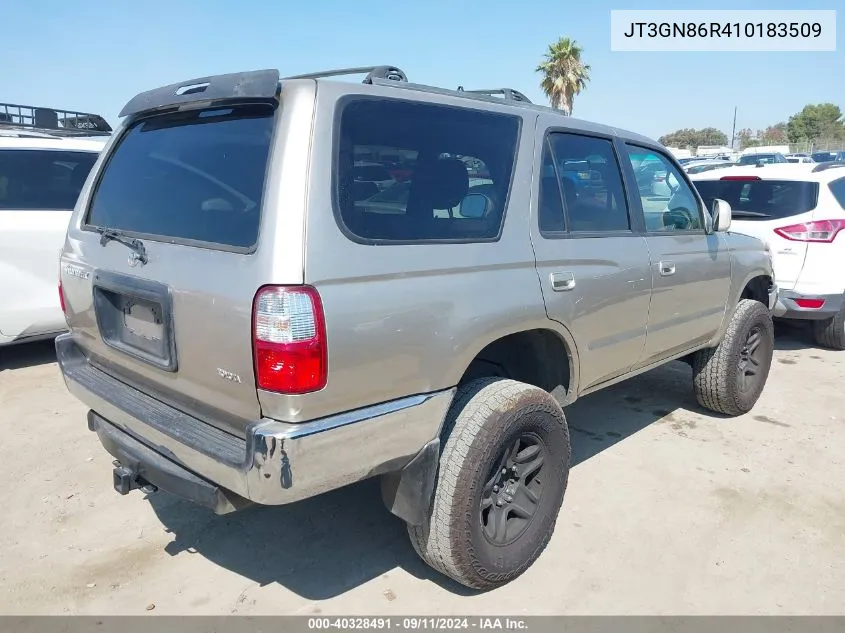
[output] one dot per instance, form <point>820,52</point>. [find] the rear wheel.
<point>831,332</point>
<point>502,477</point>
<point>729,378</point>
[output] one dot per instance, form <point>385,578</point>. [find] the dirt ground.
<point>669,511</point>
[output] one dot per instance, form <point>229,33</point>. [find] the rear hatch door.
<point>160,272</point>
<point>760,207</point>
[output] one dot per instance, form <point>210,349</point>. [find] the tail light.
<point>810,304</point>
<point>289,339</point>
<point>62,298</point>
<point>818,231</point>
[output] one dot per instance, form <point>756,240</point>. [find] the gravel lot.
<point>669,511</point>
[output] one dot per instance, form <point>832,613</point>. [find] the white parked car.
<point>43,166</point>
<point>799,158</point>
<point>799,211</point>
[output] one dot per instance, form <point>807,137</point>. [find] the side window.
<point>837,188</point>
<point>44,180</point>
<point>550,213</point>
<point>588,196</point>
<point>669,203</point>
<point>417,172</point>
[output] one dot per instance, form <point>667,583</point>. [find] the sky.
<point>94,55</point>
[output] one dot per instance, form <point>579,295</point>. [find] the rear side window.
<point>48,180</point>
<point>837,188</point>
<point>191,177</point>
<point>432,172</point>
<point>761,199</point>
<point>581,186</point>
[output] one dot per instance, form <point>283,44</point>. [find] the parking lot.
<point>669,510</point>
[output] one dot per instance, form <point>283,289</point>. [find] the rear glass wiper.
<point>135,245</point>
<point>749,214</point>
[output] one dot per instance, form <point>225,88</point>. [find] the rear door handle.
<point>666,268</point>
<point>562,281</point>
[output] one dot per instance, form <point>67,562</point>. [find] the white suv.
<point>45,157</point>
<point>799,211</point>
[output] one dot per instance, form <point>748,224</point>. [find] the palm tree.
<point>564,74</point>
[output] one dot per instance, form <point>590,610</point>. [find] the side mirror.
<point>721,215</point>
<point>474,205</point>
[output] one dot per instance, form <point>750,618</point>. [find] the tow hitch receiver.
<point>126,480</point>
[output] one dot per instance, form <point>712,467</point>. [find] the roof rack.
<point>53,121</point>
<point>373,72</point>
<point>508,93</point>
<point>824,166</point>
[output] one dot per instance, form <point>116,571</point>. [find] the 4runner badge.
<point>228,375</point>
<point>75,271</point>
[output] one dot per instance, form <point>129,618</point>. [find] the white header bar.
<point>710,30</point>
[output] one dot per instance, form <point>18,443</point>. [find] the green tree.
<point>692,138</point>
<point>820,121</point>
<point>564,74</point>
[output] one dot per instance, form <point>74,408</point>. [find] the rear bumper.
<point>787,308</point>
<point>277,463</point>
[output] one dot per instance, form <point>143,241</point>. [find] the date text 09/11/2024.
<point>728,29</point>
<point>416,623</point>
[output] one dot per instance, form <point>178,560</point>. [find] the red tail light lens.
<point>819,231</point>
<point>810,304</point>
<point>289,339</point>
<point>62,298</point>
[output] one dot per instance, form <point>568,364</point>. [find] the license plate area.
<point>134,316</point>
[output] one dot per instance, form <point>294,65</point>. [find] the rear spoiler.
<point>248,86</point>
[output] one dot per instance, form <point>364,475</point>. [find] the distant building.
<point>680,153</point>
<point>713,150</point>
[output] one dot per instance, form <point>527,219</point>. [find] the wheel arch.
<point>529,353</point>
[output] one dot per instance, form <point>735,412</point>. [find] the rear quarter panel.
<point>30,245</point>
<point>408,319</point>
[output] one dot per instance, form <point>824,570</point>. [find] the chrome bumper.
<point>278,462</point>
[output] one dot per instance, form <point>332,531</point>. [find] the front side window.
<point>581,186</point>
<point>44,180</point>
<point>669,203</point>
<point>410,172</point>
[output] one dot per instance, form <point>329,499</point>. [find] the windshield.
<point>193,176</point>
<point>753,159</point>
<point>761,199</point>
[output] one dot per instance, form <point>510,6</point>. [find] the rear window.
<point>456,171</point>
<point>190,177</point>
<point>761,199</point>
<point>48,180</point>
<point>371,173</point>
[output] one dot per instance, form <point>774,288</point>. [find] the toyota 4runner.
<point>251,323</point>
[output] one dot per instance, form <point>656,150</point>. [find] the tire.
<point>721,377</point>
<point>831,332</point>
<point>489,418</point>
